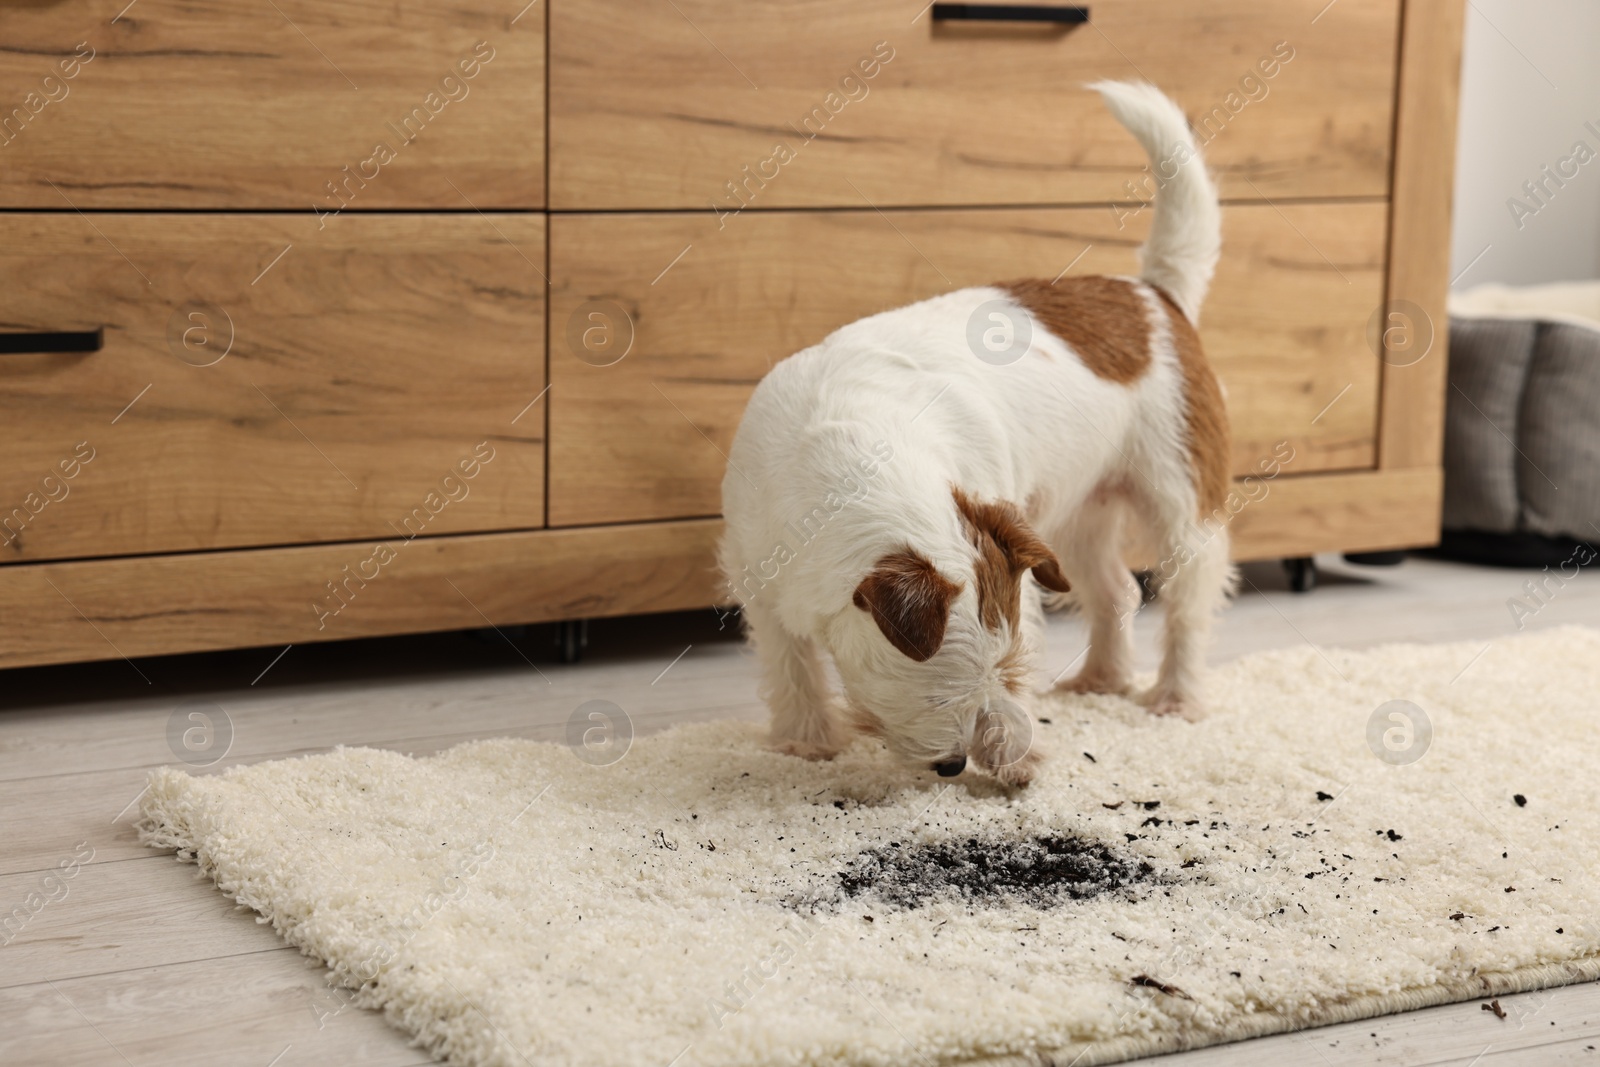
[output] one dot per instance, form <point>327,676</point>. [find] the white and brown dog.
<point>891,489</point>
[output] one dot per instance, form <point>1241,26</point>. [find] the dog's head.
<point>934,658</point>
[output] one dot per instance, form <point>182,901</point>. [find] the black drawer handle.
<point>1070,16</point>
<point>16,344</point>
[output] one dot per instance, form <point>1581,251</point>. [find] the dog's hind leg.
<point>795,688</point>
<point>1091,553</point>
<point>1194,578</point>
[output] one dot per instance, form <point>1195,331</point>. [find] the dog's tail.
<point>1186,236</point>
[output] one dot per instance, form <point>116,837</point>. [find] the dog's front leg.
<point>1107,594</point>
<point>795,688</point>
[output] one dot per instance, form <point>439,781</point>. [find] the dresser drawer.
<point>295,104</point>
<point>261,383</point>
<point>645,437</point>
<point>714,105</point>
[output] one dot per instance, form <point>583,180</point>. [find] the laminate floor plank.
<point>238,1011</point>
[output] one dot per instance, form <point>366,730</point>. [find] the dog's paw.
<point>1172,705</point>
<point>1019,773</point>
<point>806,750</point>
<point>1086,681</point>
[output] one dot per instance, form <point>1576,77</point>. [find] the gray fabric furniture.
<point>1522,433</point>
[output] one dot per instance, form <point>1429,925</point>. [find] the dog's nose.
<point>951,767</point>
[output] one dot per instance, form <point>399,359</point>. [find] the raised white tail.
<point>1186,235</point>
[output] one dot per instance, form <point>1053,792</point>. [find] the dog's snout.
<point>951,767</point>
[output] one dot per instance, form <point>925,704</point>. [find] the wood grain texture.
<point>662,105</point>
<point>1358,511</point>
<point>646,437</point>
<point>90,767</point>
<point>103,609</point>
<point>365,364</point>
<point>121,895</point>
<point>232,1011</point>
<point>209,104</point>
<point>98,609</point>
<point>1411,432</point>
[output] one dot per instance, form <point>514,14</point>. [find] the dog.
<point>897,495</point>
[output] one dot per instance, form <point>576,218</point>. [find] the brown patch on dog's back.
<point>909,600</point>
<point>1210,452</point>
<point>1006,546</point>
<point>1105,320</point>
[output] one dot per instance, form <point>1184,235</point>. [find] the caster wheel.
<point>1302,573</point>
<point>1376,559</point>
<point>572,637</point>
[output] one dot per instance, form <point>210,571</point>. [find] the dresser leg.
<point>572,637</point>
<point>1302,573</point>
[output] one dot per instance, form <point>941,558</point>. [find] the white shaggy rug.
<point>1163,885</point>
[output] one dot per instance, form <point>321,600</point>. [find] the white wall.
<point>1530,82</point>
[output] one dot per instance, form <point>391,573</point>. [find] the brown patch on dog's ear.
<point>1006,547</point>
<point>910,601</point>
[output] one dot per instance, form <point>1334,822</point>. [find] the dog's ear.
<point>910,602</point>
<point>1023,549</point>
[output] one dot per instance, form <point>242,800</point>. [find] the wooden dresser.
<point>333,319</point>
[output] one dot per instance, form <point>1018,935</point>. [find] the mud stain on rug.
<point>1036,872</point>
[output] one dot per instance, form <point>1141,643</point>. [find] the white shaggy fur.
<point>1182,250</point>
<point>509,904</point>
<point>848,452</point>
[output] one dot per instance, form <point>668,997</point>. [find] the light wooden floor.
<point>140,963</point>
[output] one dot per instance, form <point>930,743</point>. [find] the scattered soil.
<point>1151,983</point>
<point>1039,872</point>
